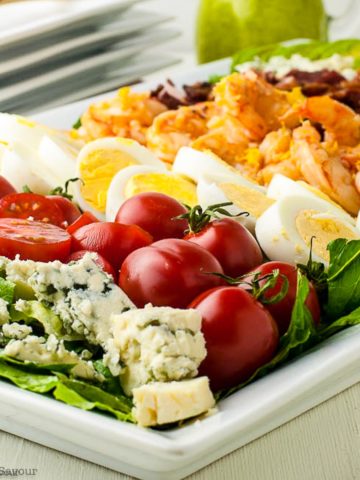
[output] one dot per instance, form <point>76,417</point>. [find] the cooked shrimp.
<point>285,167</point>
<point>335,117</point>
<point>323,170</point>
<point>177,128</point>
<point>127,115</point>
<point>225,137</point>
<point>275,147</point>
<point>254,102</point>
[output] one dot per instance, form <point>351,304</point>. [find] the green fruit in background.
<point>226,26</point>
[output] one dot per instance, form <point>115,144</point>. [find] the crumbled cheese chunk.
<point>80,293</point>
<point>4,313</point>
<point>16,330</point>
<point>157,344</point>
<point>161,403</point>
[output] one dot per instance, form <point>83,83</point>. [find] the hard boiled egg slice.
<point>98,163</point>
<point>56,161</point>
<point>195,164</point>
<point>14,128</point>
<point>17,167</point>
<point>213,189</point>
<point>281,186</point>
<point>284,230</point>
<point>141,178</point>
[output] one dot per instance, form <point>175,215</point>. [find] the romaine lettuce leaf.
<point>7,290</point>
<point>37,367</point>
<point>88,397</point>
<point>343,278</point>
<point>34,310</point>
<point>314,50</point>
<point>35,382</point>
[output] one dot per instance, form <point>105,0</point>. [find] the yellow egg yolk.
<point>246,199</point>
<point>173,185</point>
<point>97,170</point>
<point>313,224</point>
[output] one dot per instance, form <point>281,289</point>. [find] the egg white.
<point>196,164</point>
<point>140,155</point>
<point>209,193</point>
<point>281,187</point>
<point>116,193</point>
<point>277,233</point>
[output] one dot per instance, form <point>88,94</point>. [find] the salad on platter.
<point>176,245</point>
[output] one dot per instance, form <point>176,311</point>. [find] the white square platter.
<point>171,455</point>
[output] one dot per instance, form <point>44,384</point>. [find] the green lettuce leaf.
<point>343,278</point>
<point>37,367</point>
<point>314,50</point>
<point>111,384</point>
<point>349,320</point>
<point>35,382</point>
<point>7,290</point>
<point>88,397</point>
<point>34,310</point>
<point>300,336</point>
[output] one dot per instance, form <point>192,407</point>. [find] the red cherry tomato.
<point>170,273</point>
<point>101,261</point>
<point>69,209</point>
<point>281,311</point>
<point>113,241</point>
<point>32,240</point>
<point>85,218</point>
<point>31,205</point>
<point>155,213</point>
<point>231,243</point>
<point>240,335</point>
<point>5,187</point>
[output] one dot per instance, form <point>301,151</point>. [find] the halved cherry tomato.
<point>101,261</point>
<point>31,205</point>
<point>231,243</point>
<point>281,311</point>
<point>113,241</point>
<point>32,240</point>
<point>170,273</point>
<point>155,213</point>
<point>85,218</point>
<point>5,187</point>
<point>69,209</point>
<point>240,335</point>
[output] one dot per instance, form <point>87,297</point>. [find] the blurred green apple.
<point>226,26</point>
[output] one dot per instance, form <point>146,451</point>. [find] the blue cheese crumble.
<point>157,344</point>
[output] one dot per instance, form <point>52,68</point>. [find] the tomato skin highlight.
<point>155,213</point>
<point>38,241</point>
<point>85,218</point>
<point>31,205</point>
<point>113,241</point>
<point>240,335</point>
<point>170,272</point>
<point>69,210</point>
<point>281,311</point>
<point>101,261</point>
<point>5,187</point>
<point>231,243</point>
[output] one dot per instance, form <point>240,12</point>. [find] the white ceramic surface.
<point>64,47</point>
<point>171,455</point>
<point>22,22</point>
